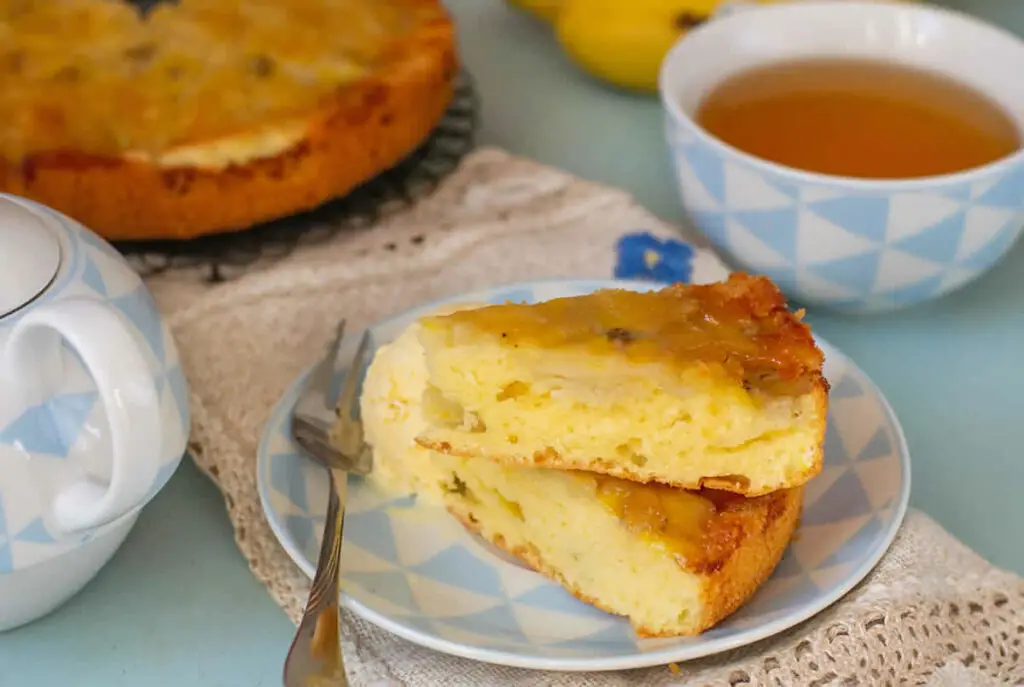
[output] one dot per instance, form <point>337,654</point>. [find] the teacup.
<point>849,244</point>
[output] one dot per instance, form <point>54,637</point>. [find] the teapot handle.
<point>114,359</point>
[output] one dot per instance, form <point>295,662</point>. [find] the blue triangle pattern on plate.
<point>456,566</point>
<point>845,498</point>
<point>514,296</point>
<point>498,622</point>
<point>788,566</point>
<point>553,597</point>
<point>939,242</point>
<point>301,529</point>
<point>777,229</point>
<point>708,168</point>
<point>864,216</point>
<point>834,452</point>
<point>35,532</point>
<point>878,446</point>
<point>6,556</point>
<point>140,309</point>
<point>769,601</point>
<point>1008,192</point>
<point>617,634</point>
<point>856,272</point>
<point>371,530</point>
<point>288,481</point>
<point>52,427</point>
<point>92,277</point>
<point>524,629</point>
<point>846,388</point>
<point>920,290</point>
<point>851,552</point>
<point>388,584</point>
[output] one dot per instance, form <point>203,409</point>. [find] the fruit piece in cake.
<point>714,386</point>
<point>674,562</point>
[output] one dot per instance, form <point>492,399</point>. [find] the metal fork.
<point>315,654</point>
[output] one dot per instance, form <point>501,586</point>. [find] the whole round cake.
<point>206,116</point>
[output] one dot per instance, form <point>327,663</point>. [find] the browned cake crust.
<point>742,545</point>
<point>366,127</point>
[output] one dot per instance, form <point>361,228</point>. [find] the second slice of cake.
<point>714,386</point>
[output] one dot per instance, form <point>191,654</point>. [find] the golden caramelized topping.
<point>657,511</point>
<point>98,77</point>
<point>701,528</point>
<point>741,326</point>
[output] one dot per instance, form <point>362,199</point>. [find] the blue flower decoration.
<point>644,256</point>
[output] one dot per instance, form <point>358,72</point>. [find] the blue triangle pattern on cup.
<point>959,192</point>
<point>140,309</point>
<point>856,273</point>
<point>35,532</point>
<point>456,566</point>
<point>707,166</point>
<point>6,555</point>
<point>51,427</point>
<point>163,476</point>
<point>864,216</point>
<point>918,291</point>
<point>939,242</point>
<point>92,277</point>
<point>712,224</point>
<point>1008,192</point>
<point>992,251</point>
<point>175,378</point>
<point>776,228</point>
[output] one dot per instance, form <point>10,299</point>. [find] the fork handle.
<point>314,658</point>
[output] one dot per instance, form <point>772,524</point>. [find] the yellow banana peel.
<point>623,42</point>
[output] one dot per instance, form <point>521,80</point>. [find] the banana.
<point>545,9</point>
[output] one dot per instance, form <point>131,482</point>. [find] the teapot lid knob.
<point>29,255</point>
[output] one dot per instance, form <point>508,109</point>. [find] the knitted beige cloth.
<point>932,613</point>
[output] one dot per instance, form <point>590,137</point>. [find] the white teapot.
<point>93,406</point>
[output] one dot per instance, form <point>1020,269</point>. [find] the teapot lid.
<point>29,256</point>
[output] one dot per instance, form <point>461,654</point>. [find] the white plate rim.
<point>659,657</point>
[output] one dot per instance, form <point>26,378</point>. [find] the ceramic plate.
<point>412,570</point>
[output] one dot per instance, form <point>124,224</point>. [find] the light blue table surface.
<point>177,606</point>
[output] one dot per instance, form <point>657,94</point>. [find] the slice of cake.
<point>714,386</point>
<point>674,562</point>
